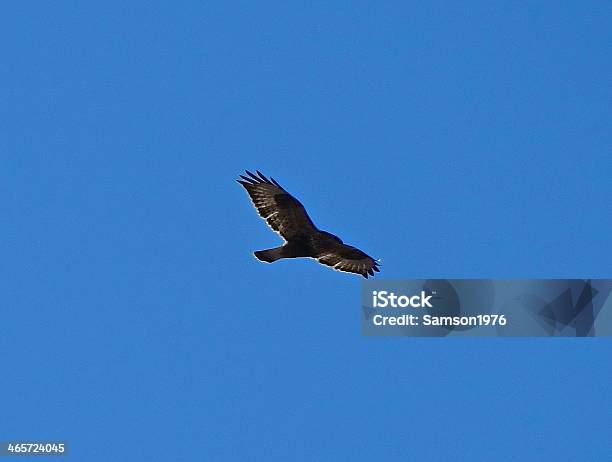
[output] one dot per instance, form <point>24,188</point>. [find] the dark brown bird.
<point>288,217</point>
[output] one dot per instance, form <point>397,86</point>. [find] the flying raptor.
<point>288,217</point>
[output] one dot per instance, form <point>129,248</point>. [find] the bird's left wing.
<point>283,212</point>
<point>350,260</point>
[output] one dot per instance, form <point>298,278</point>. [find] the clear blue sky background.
<point>466,140</point>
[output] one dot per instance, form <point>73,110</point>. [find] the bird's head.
<point>332,237</point>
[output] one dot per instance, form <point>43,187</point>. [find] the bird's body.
<point>288,217</point>
<point>306,245</point>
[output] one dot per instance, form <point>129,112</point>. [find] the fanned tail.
<point>269,255</point>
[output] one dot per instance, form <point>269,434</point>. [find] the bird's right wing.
<point>349,259</point>
<point>283,212</point>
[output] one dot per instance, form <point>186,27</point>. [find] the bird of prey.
<point>288,217</point>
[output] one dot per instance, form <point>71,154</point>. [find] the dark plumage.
<point>287,216</point>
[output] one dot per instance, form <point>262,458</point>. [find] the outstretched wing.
<point>283,212</point>
<point>349,259</point>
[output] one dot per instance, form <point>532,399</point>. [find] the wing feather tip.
<point>247,179</point>
<point>253,176</point>
<point>263,177</point>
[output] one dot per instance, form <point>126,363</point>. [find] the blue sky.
<point>452,141</point>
